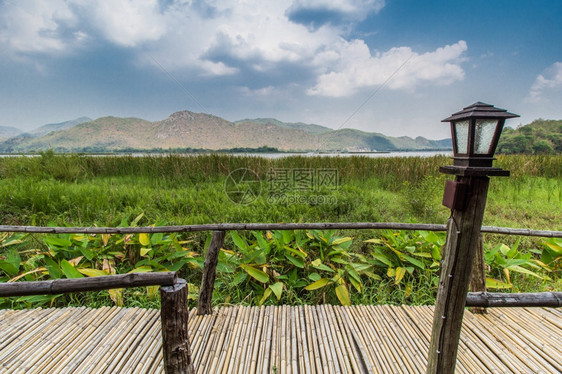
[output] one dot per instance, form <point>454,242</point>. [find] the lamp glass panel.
<point>483,134</point>
<point>461,136</point>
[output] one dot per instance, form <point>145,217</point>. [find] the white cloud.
<point>226,37</point>
<point>400,68</point>
<point>125,22</point>
<point>36,26</point>
<point>547,82</point>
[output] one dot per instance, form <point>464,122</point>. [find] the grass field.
<point>77,190</point>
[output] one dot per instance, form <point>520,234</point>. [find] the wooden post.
<point>204,305</point>
<point>456,268</point>
<point>478,279</point>
<point>174,314</point>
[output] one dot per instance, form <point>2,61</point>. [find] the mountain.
<point>538,137</point>
<point>106,133</point>
<point>45,129</point>
<point>310,128</point>
<point>8,132</point>
<point>185,129</point>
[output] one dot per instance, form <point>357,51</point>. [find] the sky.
<point>396,67</point>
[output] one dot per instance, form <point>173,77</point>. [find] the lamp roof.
<point>480,110</point>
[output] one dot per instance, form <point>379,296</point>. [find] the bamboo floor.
<point>304,339</point>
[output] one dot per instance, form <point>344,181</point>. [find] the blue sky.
<point>397,66</point>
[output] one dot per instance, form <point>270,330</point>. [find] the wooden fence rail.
<point>173,291</point>
<point>272,226</point>
<point>174,311</point>
<point>58,286</point>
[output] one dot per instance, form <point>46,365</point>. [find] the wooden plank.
<point>390,338</point>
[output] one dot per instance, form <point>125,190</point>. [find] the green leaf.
<point>314,277</point>
<point>297,261</point>
<point>522,270</point>
<point>374,241</point>
<point>69,270</point>
<point>357,284</point>
<point>343,294</point>
<point>504,249</point>
<point>137,219</point>
<point>414,262</point>
<point>400,272</point>
<point>338,241</point>
<point>436,253</point>
<point>373,275</point>
<point>177,265</point>
<point>141,269</point>
<point>317,264</point>
<point>257,274</point>
<point>87,253</point>
<point>382,258</point>
<point>262,243</point>
<point>266,294</point>
<point>57,242</point>
<point>361,267</point>
<point>318,284</point>
<point>144,251</point>
<point>494,283</point>
<point>353,274</point>
<point>144,239</point>
<point>239,278</point>
<point>9,268</point>
<point>238,241</point>
<point>157,238</point>
<point>554,246</point>
<point>38,299</point>
<point>54,269</point>
<point>430,236</point>
<point>294,251</point>
<point>277,289</point>
<point>92,272</point>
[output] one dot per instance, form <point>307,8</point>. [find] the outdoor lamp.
<point>475,131</point>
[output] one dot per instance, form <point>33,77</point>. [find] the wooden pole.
<point>456,268</point>
<point>478,279</point>
<point>498,299</point>
<point>174,314</point>
<point>58,286</point>
<point>204,304</point>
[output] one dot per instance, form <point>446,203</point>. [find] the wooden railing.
<point>174,311</point>
<point>173,290</point>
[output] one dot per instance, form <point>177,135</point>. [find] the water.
<point>273,155</point>
<point>361,154</point>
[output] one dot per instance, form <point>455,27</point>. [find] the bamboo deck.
<point>306,339</point>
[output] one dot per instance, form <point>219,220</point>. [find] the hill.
<point>7,132</point>
<point>188,130</point>
<point>538,137</point>
<point>45,129</point>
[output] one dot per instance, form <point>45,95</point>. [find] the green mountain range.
<point>187,130</point>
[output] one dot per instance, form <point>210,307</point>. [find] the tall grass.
<point>176,189</point>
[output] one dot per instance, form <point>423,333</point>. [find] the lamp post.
<point>475,132</point>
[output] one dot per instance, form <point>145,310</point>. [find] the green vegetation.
<point>538,137</point>
<point>291,267</point>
